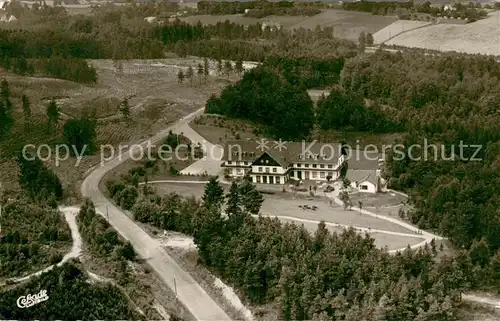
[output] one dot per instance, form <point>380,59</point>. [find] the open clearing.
<point>284,21</point>
<point>346,24</point>
<point>155,96</point>
<point>480,37</point>
<point>276,205</point>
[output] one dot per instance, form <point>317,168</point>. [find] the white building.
<point>301,161</point>
<point>364,180</point>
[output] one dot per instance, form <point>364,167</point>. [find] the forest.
<point>257,9</point>
<point>456,197</point>
<point>33,236</point>
<point>71,297</point>
<point>337,276</point>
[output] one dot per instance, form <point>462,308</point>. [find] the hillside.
<point>481,37</point>
<point>71,296</point>
<point>346,24</point>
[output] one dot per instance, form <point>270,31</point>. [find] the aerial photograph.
<point>250,160</point>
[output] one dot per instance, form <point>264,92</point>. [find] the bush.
<point>127,197</point>
<point>55,257</point>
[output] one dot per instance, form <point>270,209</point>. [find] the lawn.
<point>481,37</point>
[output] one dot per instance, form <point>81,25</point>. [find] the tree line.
<point>40,57</point>
<point>286,110</point>
<point>447,99</point>
<point>263,97</point>
<point>226,7</point>
<point>38,182</point>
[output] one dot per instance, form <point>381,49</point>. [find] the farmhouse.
<point>277,163</point>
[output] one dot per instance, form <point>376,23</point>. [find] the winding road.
<point>189,292</point>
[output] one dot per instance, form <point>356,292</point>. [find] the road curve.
<point>189,292</point>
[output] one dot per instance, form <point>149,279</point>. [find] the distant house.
<point>150,19</point>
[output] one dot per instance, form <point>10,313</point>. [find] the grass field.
<point>346,24</point>
<point>156,99</point>
<point>395,28</point>
<point>481,37</point>
<point>284,21</point>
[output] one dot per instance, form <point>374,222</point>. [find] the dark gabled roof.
<point>361,175</point>
<point>293,152</point>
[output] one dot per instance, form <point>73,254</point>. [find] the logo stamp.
<point>32,299</point>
